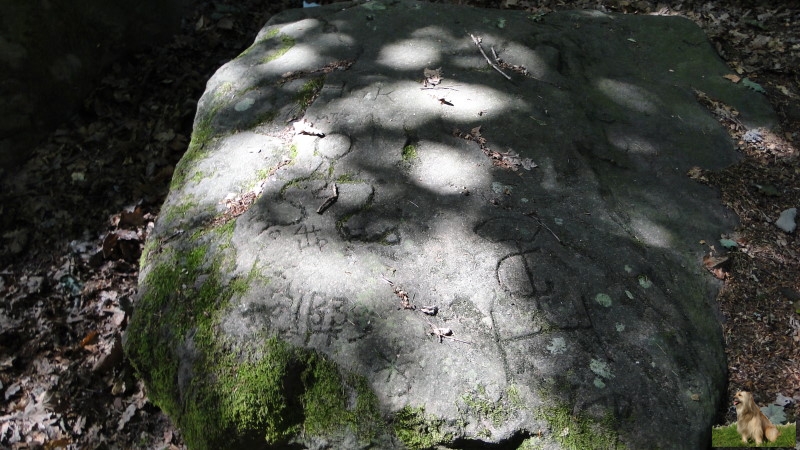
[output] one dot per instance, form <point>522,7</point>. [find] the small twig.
<point>551,231</point>
<point>494,55</point>
<point>163,241</point>
<point>440,88</point>
<point>477,42</point>
<point>535,217</point>
<point>329,201</point>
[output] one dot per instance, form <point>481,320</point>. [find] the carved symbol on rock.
<point>313,317</point>
<point>308,238</point>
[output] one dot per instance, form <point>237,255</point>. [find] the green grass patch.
<point>727,436</point>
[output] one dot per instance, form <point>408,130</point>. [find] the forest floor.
<point>74,217</point>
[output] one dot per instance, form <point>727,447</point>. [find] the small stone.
<point>786,221</point>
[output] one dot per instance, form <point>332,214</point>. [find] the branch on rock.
<point>535,217</point>
<point>330,200</point>
<point>477,42</point>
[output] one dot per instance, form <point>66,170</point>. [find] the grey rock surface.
<point>548,217</point>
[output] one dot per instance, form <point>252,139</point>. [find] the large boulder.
<point>376,239</point>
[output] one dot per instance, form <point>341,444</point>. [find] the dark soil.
<point>73,219</point>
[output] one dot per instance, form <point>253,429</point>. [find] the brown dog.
<point>752,423</point>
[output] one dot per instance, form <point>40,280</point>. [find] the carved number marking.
<point>309,238</point>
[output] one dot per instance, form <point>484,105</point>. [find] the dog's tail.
<point>772,433</point>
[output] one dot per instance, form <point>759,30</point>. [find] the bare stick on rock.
<point>477,42</point>
<point>329,201</point>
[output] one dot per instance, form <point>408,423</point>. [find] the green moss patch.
<point>478,404</point>
<point>409,152</point>
<point>288,390</point>
<point>418,430</point>
<point>309,92</point>
<point>287,42</point>
<point>223,395</point>
<point>580,432</point>
<point>201,135</point>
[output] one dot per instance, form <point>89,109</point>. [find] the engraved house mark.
<point>309,238</point>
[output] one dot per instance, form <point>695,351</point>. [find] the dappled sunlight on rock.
<point>447,170</point>
<point>651,233</point>
<point>626,139</point>
<point>628,95</point>
<point>410,54</point>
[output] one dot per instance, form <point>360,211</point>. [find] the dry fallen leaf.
<point>785,91</point>
<point>90,338</point>
<point>57,443</point>
<point>118,388</point>
<point>717,265</point>
<point>734,78</point>
<point>432,77</point>
<point>306,127</point>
